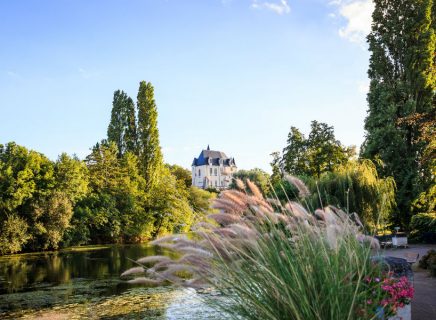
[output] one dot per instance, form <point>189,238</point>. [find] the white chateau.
<point>212,169</point>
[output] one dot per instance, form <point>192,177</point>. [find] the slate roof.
<point>212,157</point>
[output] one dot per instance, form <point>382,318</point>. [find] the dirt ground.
<point>424,302</point>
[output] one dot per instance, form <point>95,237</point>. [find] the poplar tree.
<point>122,127</point>
<point>150,154</point>
<point>402,88</point>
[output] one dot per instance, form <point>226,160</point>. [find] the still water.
<point>84,283</point>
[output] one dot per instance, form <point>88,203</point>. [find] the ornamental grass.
<point>271,260</point>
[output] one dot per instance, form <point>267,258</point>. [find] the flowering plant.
<point>398,293</point>
<point>387,293</point>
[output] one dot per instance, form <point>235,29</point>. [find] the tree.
<point>325,152</point>
<point>318,153</point>
<point>116,208</point>
<point>104,167</point>
<point>13,234</point>
<point>256,175</point>
<point>403,82</point>
<point>200,200</point>
<point>294,154</point>
<point>31,199</point>
<point>168,206</point>
<point>122,126</point>
<point>51,218</point>
<point>356,187</point>
<point>148,134</point>
<point>71,176</point>
<point>25,176</point>
<point>276,176</point>
<point>183,175</point>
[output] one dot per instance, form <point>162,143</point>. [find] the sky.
<point>232,74</point>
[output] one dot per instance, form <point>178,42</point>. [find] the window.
<point>199,172</point>
<point>210,171</point>
<point>216,184</point>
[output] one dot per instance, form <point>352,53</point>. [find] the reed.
<point>274,261</point>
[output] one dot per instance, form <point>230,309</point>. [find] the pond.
<point>84,283</point>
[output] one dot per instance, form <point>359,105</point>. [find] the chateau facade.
<point>213,169</point>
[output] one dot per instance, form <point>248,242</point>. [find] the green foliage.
<point>356,187</point>
<point>318,153</point>
<point>284,191</point>
<point>199,199</point>
<point>122,127</point>
<point>426,201</point>
<point>183,175</point>
<point>256,175</point>
<point>275,166</point>
<point>428,261</point>
<point>422,223</point>
<point>168,207</point>
<point>71,177</point>
<point>13,234</point>
<point>148,135</point>
<point>25,176</point>
<point>115,210</point>
<point>402,91</point>
<point>51,217</point>
<point>122,192</point>
<point>294,155</point>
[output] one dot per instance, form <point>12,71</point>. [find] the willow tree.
<point>122,126</point>
<point>402,89</point>
<point>356,187</point>
<point>150,154</point>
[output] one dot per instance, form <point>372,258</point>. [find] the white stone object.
<point>399,241</point>
<point>404,313</point>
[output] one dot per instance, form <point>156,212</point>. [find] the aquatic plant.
<point>273,260</point>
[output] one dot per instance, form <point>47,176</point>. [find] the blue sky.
<point>235,74</point>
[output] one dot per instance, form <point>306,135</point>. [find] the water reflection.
<point>78,275</point>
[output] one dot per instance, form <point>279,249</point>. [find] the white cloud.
<point>280,7</point>
<point>358,17</point>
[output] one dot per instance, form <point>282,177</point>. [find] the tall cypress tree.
<point>402,73</point>
<point>122,127</point>
<point>151,160</point>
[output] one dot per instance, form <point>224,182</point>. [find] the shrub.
<point>429,262</point>
<point>422,223</point>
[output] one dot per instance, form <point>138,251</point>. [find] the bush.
<point>422,224</point>
<point>429,262</point>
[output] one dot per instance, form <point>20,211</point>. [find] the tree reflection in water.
<point>84,275</point>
